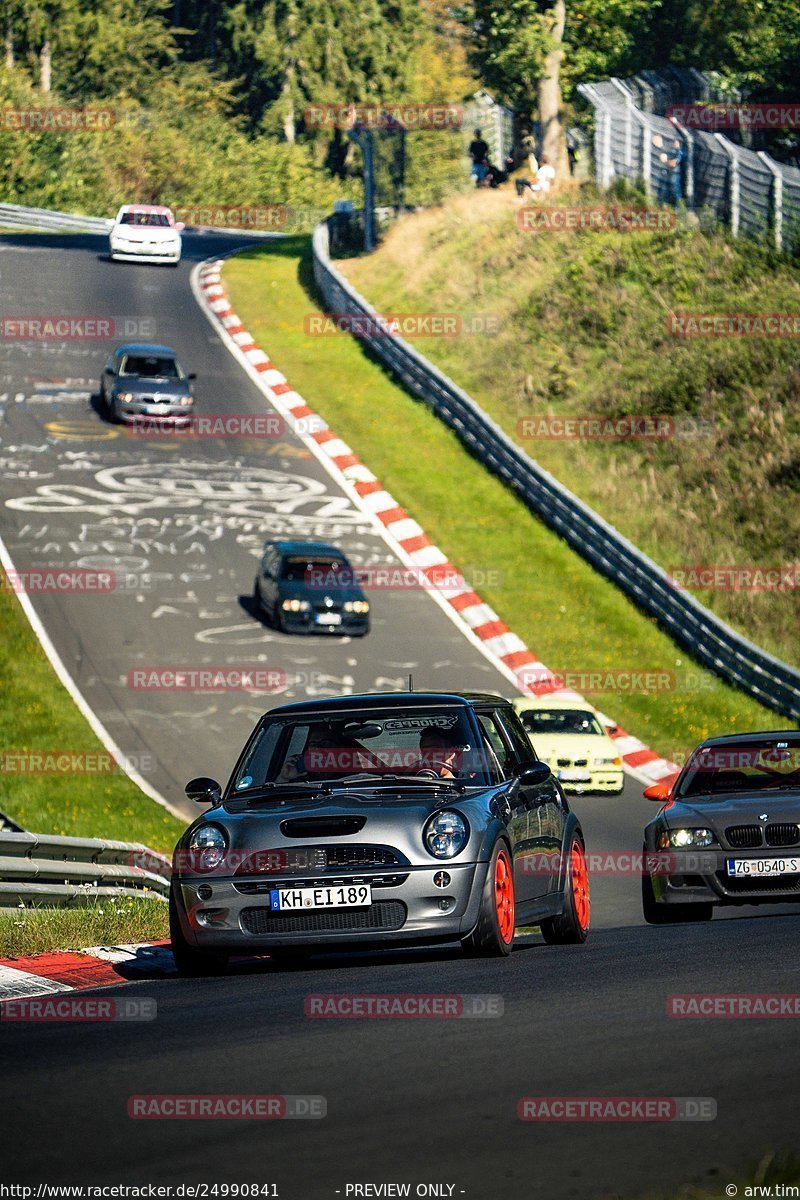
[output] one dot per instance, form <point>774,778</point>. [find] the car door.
<point>551,806</point>
<point>525,825</point>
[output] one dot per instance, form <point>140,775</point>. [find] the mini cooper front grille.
<point>263,887</point>
<point>384,916</point>
<point>743,837</point>
<point>782,834</point>
<point>361,856</point>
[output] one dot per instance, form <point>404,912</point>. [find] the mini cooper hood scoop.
<point>322,826</point>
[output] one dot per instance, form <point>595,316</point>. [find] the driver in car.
<point>437,754</point>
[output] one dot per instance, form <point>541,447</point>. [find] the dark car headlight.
<point>296,606</point>
<point>209,843</point>
<point>446,834</point>
<point>356,606</point>
<point>680,839</point>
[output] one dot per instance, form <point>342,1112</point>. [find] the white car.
<point>146,233</point>
<point>569,737</point>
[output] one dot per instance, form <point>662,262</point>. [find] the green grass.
<point>569,615</point>
<point>109,923</point>
<point>37,713</point>
<point>583,331</point>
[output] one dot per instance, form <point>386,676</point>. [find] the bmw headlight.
<point>445,834</point>
<point>607,762</point>
<point>680,839</point>
<point>209,843</point>
<point>296,606</point>
<point>356,606</point>
<point>125,397</point>
<point>186,400</point>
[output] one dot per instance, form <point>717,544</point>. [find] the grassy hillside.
<point>37,714</point>
<point>583,331</point>
<point>567,613</point>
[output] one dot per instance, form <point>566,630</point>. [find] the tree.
<point>528,52</point>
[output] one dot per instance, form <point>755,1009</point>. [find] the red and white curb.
<point>401,532</point>
<point>69,971</point>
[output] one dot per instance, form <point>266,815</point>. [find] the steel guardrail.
<point>705,636</point>
<point>45,869</point>
<point>17,215</point>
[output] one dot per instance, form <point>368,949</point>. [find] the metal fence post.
<point>690,144</point>
<point>777,197</point>
<point>647,156</point>
<point>629,113</point>
<point>733,182</point>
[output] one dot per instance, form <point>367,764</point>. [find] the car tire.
<point>257,595</point>
<point>493,936</point>
<point>190,961</point>
<point>571,927</point>
<point>668,914</point>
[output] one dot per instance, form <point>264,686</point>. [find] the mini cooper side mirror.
<point>204,790</point>
<point>534,772</point>
<point>658,791</point>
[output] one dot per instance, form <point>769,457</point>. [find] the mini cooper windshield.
<point>436,744</point>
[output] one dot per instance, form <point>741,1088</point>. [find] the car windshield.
<point>146,218</point>
<point>560,720</point>
<point>325,572</point>
<point>379,746</point>
<point>734,769</point>
<point>150,367</point>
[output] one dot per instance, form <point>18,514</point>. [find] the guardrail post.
<point>733,176</point>
<point>777,197</point>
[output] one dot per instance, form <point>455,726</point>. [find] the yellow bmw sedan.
<point>568,736</point>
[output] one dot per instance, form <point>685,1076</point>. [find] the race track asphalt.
<point>409,1101</point>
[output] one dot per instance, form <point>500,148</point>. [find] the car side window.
<point>502,753</point>
<point>524,751</point>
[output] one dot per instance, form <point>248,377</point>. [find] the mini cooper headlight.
<point>209,844</point>
<point>296,606</point>
<point>445,834</point>
<point>681,838</point>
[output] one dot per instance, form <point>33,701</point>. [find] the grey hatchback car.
<point>144,382</point>
<point>378,820</point>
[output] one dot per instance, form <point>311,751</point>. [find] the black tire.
<point>671,914</point>
<point>487,939</point>
<point>571,926</point>
<point>190,961</point>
